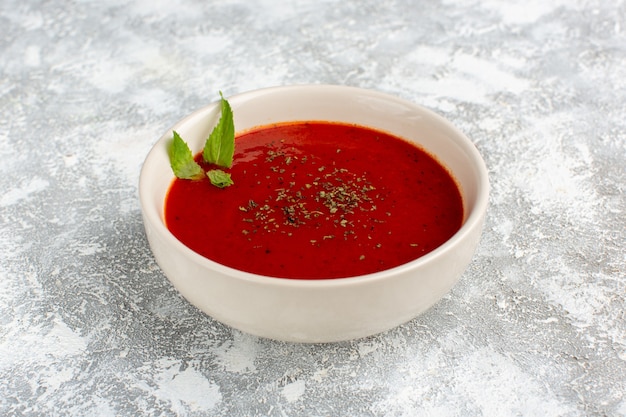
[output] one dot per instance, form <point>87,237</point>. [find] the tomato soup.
<point>318,200</point>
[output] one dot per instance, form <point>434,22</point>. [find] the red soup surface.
<point>315,200</point>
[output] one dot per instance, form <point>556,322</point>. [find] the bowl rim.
<point>473,220</point>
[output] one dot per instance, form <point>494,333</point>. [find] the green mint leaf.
<point>181,160</point>
<point>220,146</point>
<point>219,178</point>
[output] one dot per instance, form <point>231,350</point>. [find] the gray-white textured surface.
<point>89,324</point>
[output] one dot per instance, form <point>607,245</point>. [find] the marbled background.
<point>90,326</point>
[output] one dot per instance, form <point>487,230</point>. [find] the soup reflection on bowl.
<point>351,212</point>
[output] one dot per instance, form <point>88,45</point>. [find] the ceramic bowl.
<point>318,310</point>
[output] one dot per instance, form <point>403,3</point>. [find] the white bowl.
<point>331,309</point>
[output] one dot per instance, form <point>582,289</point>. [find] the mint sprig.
<point>219,149</point>
<point>219,178</point>
<point>220,146</point>
<point>181,160</point>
